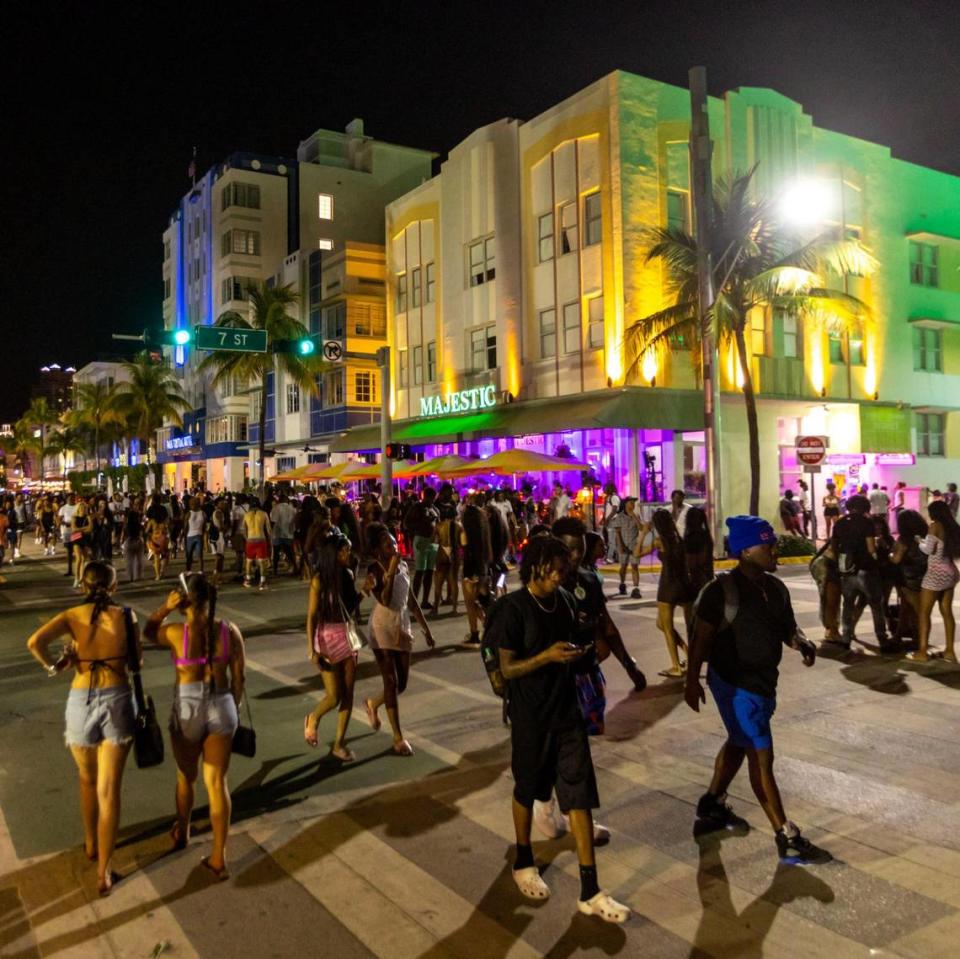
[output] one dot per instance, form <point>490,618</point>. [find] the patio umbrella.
<point>443,466</point>
<point>319,471</point>
<point>371,471</point>
<point>298,473</point>
<point>521,461</point>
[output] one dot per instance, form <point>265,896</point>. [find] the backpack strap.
<point>731,599</point>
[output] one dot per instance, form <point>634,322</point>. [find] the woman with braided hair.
<point>99,718</point>
<point>208,658</point>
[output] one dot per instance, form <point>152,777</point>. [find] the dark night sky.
<point>104,103</point>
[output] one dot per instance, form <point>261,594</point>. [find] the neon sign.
<point>463,401</point>
<point>180,443</point>
<point>894,459</point>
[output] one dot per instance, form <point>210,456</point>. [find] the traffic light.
<point>306,346</point>
<point>303,346</point>
<point>398,451</point>
<point>180,337</point>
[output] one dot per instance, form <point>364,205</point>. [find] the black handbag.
<point>147,735</point>
<point>245,738</point>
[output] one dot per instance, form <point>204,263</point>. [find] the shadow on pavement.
<point>637,712</point>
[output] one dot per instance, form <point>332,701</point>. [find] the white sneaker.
<point>16,553</point>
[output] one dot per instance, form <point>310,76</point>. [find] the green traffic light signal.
<point>182,337</point>
<point>306,346</point>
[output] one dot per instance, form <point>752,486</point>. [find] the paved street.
<point>405,858</point>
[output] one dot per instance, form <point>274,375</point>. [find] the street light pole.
<point>701,182</point>
<point>386,464</point>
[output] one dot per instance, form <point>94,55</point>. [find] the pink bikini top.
<point>186,660</point>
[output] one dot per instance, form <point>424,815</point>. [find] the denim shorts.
<point>99,715</point>
<point>197,713</point>
<point>745,715</point>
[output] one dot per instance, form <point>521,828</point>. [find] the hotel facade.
<point>513,275</point>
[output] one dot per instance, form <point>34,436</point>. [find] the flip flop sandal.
<point>917,658</point>
<point>307,738</point>
<point>221,874</point>
<point>105,888</point>
<point>403,748</point>
<point>670,674</point>
<point>604,906</point>
<point>344,755</point>
<point>530,883</point>
<point>372,716</point>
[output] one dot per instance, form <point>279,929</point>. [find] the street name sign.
<point>811,450</point>
<point>232,339</point>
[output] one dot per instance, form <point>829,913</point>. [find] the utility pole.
<point>701,183</point>
<point>386,464</point>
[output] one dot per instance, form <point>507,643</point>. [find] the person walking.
<point>256,534</point>
<point>910,563</point>
<point>611,508</point>
<point>477,557</point>
<point>208,659</point>
<point>282,518</point>
<point>195,525</point>
<point>217,537</point>
<point>158,542</point>
<point>46,524</point>
<point>831,509</point>
<point>853,542</point>
<point>952,499</point>
<point>99,716</point>
<point>698,550</point>
<point>790,514</point>
<point>673,588</point>
<point>131,543</point>
<point>391,638</point>
<point>942,548</point>
<point>742,643</point>
<point>421,526</point>
<point>82,536</point>
<point>803,502</point>
<point>534,629</point>
<point>65,515</point>
<point>334,600</point>
<point>628,532</point>
<point>879,501</point>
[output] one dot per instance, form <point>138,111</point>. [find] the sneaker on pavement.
<point>714,814</point>
<point>797,851</point>
<point>635,593</point>
<point>623,589</point>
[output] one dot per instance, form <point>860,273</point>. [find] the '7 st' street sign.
<point>232,339</point>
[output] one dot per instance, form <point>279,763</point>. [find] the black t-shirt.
<point>788,507</point>
<point>546,698</point>
<point>589,602</point>
<point>747,654</point>
<point>850,537</point>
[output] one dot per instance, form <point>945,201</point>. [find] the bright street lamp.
<point>807,201</point>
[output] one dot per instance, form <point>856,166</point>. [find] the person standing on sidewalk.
<point>282,517</point>
<point>743,621</point>
<point>942,547</point>
<point>131,542</point>
<point>534,629</point>
<point>66,514</point>
<point>628,531</point>
<point>256,531</point>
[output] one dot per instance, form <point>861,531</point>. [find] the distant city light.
<point>807,202</point>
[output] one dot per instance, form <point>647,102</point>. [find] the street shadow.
<point>638,712</point>
<point>725,931</point>
<point>879,674</point>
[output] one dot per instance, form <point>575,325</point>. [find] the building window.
<point>241,241</point>
<point>325,206</point>
<point>548,332</point>
<point>483,267</point>
<point>855,341</point>
<point>335,321</point>
<point>402,368</point>
<point>483,348</point>
<point>678,211</point>
<point>791,336</point>
<point>166,288</point>
<point>595,322</point>
<point>758,333</point>
<point>417,365</point>
<point>293,398</point>
<point>415,280</point>
<point>432,361</point>
<point>924,269</point>
<point>835,345</point>
<point>366,319</point>
<point>324,244</point>
<point>591,219</point>
<point>571,328</point>
<point>241,194</point>
<point>568,228</point>
<point>365,386</point>
<point>930,428</point>
<point>431,291</point>
<point>401,292</point>
<point>166,249</point>
<point>545,237</point>
<point>236,288</point>
<point>927,350</point>
<point>333,388</point>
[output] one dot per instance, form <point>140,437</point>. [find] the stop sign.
<point>811,450</point>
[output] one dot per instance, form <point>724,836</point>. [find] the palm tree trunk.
<point>263,431</point>
<point>753,430</point>
<point>96,450</point>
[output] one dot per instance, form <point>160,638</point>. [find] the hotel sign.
<point>462,401</point>
<point>180,443</point>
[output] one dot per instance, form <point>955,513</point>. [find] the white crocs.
<point>531,884</point>
<point>604,906</point>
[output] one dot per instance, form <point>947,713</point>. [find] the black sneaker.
<point>800,852</point>
<point>714,814</point>
<point>623,589</point>
<point>637,678</point>
<point>635,593</point>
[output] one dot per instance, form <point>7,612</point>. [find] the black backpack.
<point>731,602</point>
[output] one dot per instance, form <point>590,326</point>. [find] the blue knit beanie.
<point>747,531</point>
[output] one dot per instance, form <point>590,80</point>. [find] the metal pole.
<point>701,183</point>
<point>813,507</point>
<point>386,464</point>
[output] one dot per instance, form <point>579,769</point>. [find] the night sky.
<point>104,103</point>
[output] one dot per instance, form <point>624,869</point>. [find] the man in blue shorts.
<point>743,621</point>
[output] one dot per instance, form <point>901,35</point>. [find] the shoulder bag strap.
<point>133,662</point>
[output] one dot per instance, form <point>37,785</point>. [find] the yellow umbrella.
<point>371,471</point>
<point>442,466</point>
<point>521,461</point>
<point>298,473</point>
<point>318,471</point>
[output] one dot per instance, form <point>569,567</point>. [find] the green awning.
<point>628,408</point>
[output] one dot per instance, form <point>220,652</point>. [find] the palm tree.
<point>96,410</point>
<point>268,311</point>
<point>63,441</point>
<point>757,264</point>
<point>149,397</point>
<point>21,443</point>
<point>39,415</point>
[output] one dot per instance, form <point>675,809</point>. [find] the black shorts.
<point>558,758</point>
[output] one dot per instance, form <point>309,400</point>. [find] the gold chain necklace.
<point>544,608</point>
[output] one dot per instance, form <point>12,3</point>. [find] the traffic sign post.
<point>811,452</point>
<point>232,339</point>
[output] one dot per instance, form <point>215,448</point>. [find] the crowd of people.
<point>542,644</point>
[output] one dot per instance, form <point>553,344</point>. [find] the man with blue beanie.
<point>743,620</point>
